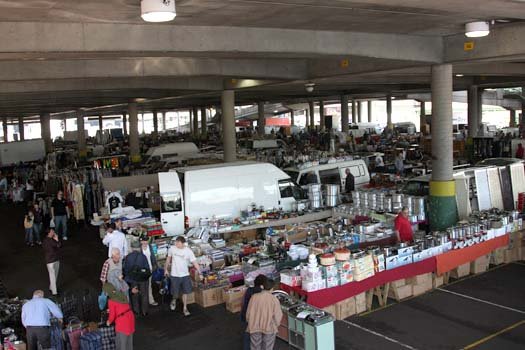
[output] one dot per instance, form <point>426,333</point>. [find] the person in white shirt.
<point>115,239</point>
<point>379,162</point>
<point>152,262</point>
<point>179,258</point>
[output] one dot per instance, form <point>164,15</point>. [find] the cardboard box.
<point>437,281</point>
<point>479,265</point>
<point>345,308</point>
<point>231,295</point>
<point>190,299</point>
<point>510,256</point>
<point>209,297</point>
<point>398,283</point>
<point>400,293</point>
<point>421,288</point>
<point>360,303</point>
<point>420,279</point>
<point>460,271</point>
<point>234,306</point>
<point>497,256</point>
<point>331,309</point>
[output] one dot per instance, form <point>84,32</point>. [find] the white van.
<point>331,173</point>
<point>222,190</point>
<point>171,150</point>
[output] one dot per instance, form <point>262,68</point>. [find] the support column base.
<point>443,212</point>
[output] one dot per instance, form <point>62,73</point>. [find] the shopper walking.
<point>177,262</point>
<point>38,219</point>
<point>136,273</point>
<point>36,315</point>
<point>349,181</point>
<point>246,301</point>
<point>264,316</point>
<point>122,315</point>
<point>28,227</point>
<point>60,215</point>
<point>113,263</point>
<point>115,239</point>
<point>399,164</point>
<point>51,247</point>
<point>147,250</point>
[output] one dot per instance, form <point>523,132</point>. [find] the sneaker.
<point>65,238</point>
<point>173,305</point>
<point>186,312</point>
<point>154,303</point>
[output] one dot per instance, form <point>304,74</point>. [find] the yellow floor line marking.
<point>493,335</point>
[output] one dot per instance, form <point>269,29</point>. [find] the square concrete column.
<point>261,118</point>
<point>204,123</point>
<point>195,122</point>
<point>4,125</point>
<point>228,125</point>
<point>512,121</point>
<point>311,106</point>
<point>344,113</point>
<point>321,115</point>
<point>389,112</point>
<point>155,122</point>
<point>360,111</point>
<point>292,117</point>
<point>369,111</point>
<point>45,127</point>
<point>124,123</point>
<point>473,110</point>
<point>21,134</point>
<point>134,145</point>
<point>164,121</point>
<point>81,135</point>
<point>354,111</point>
<point>422,116</point>
<point>100,122</point>
<point>307,118</point>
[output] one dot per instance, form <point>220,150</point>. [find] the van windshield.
<point>293,174</point>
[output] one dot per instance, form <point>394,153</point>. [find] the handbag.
<point>52,223</point>
<point>102,301</point>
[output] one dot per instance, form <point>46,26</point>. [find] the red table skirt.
<point>330,296</point>
<point>440,264</point>
<point>452,259</point>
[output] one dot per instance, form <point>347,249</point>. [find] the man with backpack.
<point>137,273</point>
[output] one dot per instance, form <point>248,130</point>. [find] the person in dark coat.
<point>247,296</point>
<point>136,273</point>
<point>349,182</point>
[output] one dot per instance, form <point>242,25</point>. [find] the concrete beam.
<point>32,37</point>
<point>153,67</point>
<point>503,43</point>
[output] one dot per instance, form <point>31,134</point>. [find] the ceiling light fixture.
<point>477,29</point>
<point>459,75</point>
<point>309,87</point>
<point>158,10</point>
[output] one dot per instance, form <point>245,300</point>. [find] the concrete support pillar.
<point>100,123</point>
<point>155,122</point>
<point>344,113</point>
<point>389,112</point>
<point>369,110</point>
<point>292,118</point>
<point>228,125</point>
<point>261,119</point>
<point>134,146</point>
<point>307,118</point>
<point>81,136</point>
<point>204,123</point>
<point>4,124</point>
<point>195,122</point>
<point>360,111</point>
<point>512,121</point>
<point>311,106</point>
<point>45,127</point>
<point>354,111</point>
<point>21,135</point>
<point>125,123</point>
<point>473,110</point>
<point>422,116</point>
<point>321,115</point>
<point>164,121</point>
<point>443,210</point>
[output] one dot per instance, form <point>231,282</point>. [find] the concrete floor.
<point>437,320</point>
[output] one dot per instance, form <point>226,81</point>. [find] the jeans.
<point>52,269</point>
<point>29,235</point>
<point>61,225</point>
<point>37,231</point>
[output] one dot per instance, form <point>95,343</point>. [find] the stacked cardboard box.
<point>233,297</point>
<point>480,265</point>
<point>363,268</point>
<point>498,256</point>
<point>460,271</point>
<point>437,281</point>
<point>400,290</point>
<point>421,283</point>
<point>345,308</point>
<point>360,303</point>
<point>514,250</point>
<point>209,297</point>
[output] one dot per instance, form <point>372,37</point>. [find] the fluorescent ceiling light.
<point>459,75</point>
<point>158,10</point>
<point>477,29</point>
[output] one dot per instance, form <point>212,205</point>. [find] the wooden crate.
<point>400,293</point>
<point>437,281</point>
<point>460,271</point>
<point>360,303</point>
<point>345,308</point>
<point>480,265</point>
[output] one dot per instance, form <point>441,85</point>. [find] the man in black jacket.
<point>349,182</point>
<point>137,273</point>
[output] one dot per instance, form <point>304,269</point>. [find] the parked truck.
<point>223,191</point>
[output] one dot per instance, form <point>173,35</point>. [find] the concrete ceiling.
<point>59,56</point>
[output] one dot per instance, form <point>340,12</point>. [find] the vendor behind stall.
<point>403,228</point>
